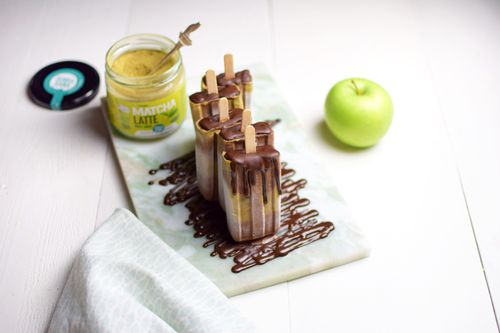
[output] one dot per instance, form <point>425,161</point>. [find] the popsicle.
<point>242,79</point>
<point>252,190</point>
<point>233,138</point>
<point>206,130</point>
<point>205,102</point>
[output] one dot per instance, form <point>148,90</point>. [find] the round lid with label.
<point>64,85</point>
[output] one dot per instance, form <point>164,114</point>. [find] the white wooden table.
<point>427,197</point>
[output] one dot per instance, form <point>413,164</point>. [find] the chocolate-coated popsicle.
<point>205,102</point>
<point>233,138</point>
<point>251,187</point>
<point>206,130</point>
<point>242,79</point>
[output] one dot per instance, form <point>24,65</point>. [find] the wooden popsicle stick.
<point>250,144</point>
<point>214,108</point>
<point>228,66</point>
<point>211,82</point>
<point>246,119</point>
<point>223,110</point>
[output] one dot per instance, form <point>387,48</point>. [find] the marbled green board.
<point>345,244</point>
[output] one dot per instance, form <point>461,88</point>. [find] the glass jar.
<point>141,105</point>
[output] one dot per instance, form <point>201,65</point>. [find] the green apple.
<point>358,112</point>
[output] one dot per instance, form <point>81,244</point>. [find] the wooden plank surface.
<point>61,180</point>
<point>463,49</point>
<point>405,192</point>
<point>52,162</point>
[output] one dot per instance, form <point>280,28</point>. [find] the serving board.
<point>344,244</point>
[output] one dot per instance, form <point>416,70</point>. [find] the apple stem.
<point>355,87</point>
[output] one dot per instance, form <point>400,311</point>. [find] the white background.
<point>427,196</point>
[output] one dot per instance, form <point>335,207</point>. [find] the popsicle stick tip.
<point>223,110</point>
<point>250,144</point>
<point>211,81</point>
<point>228,66</point>
<point>246,119</point>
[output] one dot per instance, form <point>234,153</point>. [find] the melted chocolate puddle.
<point>299,224</point>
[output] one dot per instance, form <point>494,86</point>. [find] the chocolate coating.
<point>241,77</point>
<point>235,133</point>
<point>213,122</point>
<point>228,91</point>
<point>249,164</point>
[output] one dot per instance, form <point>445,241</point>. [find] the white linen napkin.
<point>126,279</point>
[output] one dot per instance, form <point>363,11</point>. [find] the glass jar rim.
<point>120,47</point>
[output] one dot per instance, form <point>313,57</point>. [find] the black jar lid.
<point>64,85</point>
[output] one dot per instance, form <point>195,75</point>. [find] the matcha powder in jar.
<point>144,102</point>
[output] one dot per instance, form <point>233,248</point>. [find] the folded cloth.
<point>126,279</point>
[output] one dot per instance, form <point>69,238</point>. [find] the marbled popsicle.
<point>205,102</point>
<point>206,131</point>
<point>252,189</point>
<point>242,79</point>
<point>233,138</point>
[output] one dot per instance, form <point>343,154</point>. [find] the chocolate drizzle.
<point>299,225</point>
<point>183,178</point>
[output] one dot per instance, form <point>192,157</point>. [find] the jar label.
<point>148,119</point>
<point>62,82</point>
